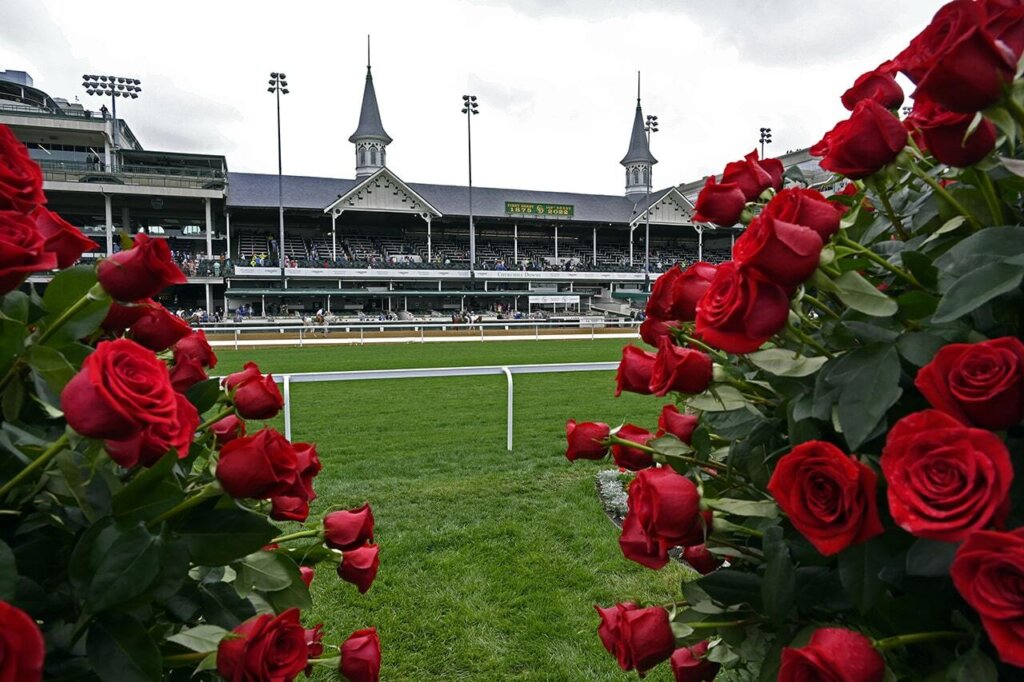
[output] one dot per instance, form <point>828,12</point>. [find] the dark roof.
<point>638,147</point>
<point>369,115</point>
<point>254,190</point>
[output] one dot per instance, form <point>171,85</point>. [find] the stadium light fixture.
<point>470,108</point>
<point>766,138</point>
<point>650,127</point>
<point>112,87</point>
<point>277,87</point>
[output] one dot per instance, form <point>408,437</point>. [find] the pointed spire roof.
<point>369,114</point>
<point>639,150</point>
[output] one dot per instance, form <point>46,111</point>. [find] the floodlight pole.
<point>469,108</point>
<point>278,86</point>
<point>650,127</point>
<point>114,86</point>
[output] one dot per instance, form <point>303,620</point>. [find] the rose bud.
<point>701,559</point>
<point>944,134</point>
<point>21,180</point>
<point>645,639</point>
<point>988,571</point>
<point>878,85</point>
<point>652,330</point>
<point>22,250</point>
<point>634,371</point>
<point>121,388</point>
<point>196,346</point>
<point>259,466</point>
<point>314,635</point>
<point>981,384</point>
<point>360,656</point>
<point>308,466</point>
<point>679,425</point>
<point>585,440</point>
<point>666,504</point>
<point>258,398</point>
<point>946,481</point>
<point>751,176</point>
<point>22,648</point>
<point>809,208</point>
<point>659,304</point>
<point>359,566</point>
<point>833,653</point>
<point>861,145</point>
<point>285,508</point>
<point>632,458</point>
<point>63,240</point>
<point>608,629</point>
<point>140,272</point>
<point>250,371</point>
<point>679,369</point>
<point>158,329</point>
<point>741,310</point>
<point>265,647</point>
<point>689,289</point>
<point>228,429</point>
<point>120,317</point>
<point>690,664</point>
<point>637,546</point>
<point>307,574</point>
<point>153,442</point>
<point>347,530</point>
<point>185,374</point>
<point>721,204</point>
<point>785,253</point>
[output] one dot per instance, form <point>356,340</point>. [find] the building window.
<point>373,156</point>
<point>646,171</point>
<point>362,156</point>
<point>636,177</point>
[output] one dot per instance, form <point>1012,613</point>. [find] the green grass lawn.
<point>490,561</point>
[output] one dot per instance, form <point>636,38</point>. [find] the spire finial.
<point>367,53</point>
<point>638,88</point>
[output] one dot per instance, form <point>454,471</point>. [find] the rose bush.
<point>135,533</point>
<point>846,484</point>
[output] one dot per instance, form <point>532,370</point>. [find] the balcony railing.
<point>149,176</point>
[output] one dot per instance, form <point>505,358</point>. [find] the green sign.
<point>526,208</point>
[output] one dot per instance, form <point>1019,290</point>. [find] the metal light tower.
<point>469,108</point>
<point>650,127</point>
<point>766,138</point>
<point>279,86</point>
<point>113,87</point>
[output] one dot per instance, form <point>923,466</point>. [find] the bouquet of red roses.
<point>135,542</point>
<point>839,455</point>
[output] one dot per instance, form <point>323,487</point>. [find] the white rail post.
<point>287,406</point>
<point>508,377</point>
<point>236,339</point>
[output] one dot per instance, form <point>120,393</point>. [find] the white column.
<point>209,300</point>
<point>732,245</point>
<point>227,234</point>
<point>334,236</point>
<point>430,254</point>
<point>515,243</point>
<point>126,220</point>
<point>593,265</point>
<point>209,228</point>
<point>108,210</point>
<point>556,243</point>
<point>700,242</point>
<point>631,245</point>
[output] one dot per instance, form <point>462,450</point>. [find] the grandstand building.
<point>371,244</point>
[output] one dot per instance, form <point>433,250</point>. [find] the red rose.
<point>988,571</point>
<point>196,346</point>
<point>314,635</point>
<point>956,62</point>
<point>309,466</point>
<point>185,374</point>
<point>659,304</point>
<point>307,574</point>
<point>611,618</point>
<point>347,530</point>
<point>652,330</point>
<point>250,371</point>
<point>690,664</point>
<point>22,250</point>
<point>158,329</point>
<point>21,181</point>
<point>287,508</point>
<point>666,504</point>
<point>680,369</point>
<point>784,252</point>
<point>153,442</point>
<point>862,144</point>
<point>360,656</point>
<point>878,85</point>
<point>258,398</point>
<point>807,207</point>
<point>672,421</point>
<point>741,309</point>
<point>63,240</point>
<point>637,546</point>
<point>634,371</point>
<point>359,566</point>
<point>719,203</point>
<point>632,458</point>
<point>944,134</point>
<point>139,272</point>
<point>753,176</point>
<point>645,639</point>
<point>689,289</point>
<point>946,480</point>
<point>259,466</point>
<point>981,384</point>
<point>833,654</point>
<point>264,647</point>
<point>228,429</point>
<point>121,317</point>
<point>1004,20</point>
<point>121,389</point>
<point>829,496</point>
<point>701,559</point>
<point>22,649</point>
<point>585,440</point>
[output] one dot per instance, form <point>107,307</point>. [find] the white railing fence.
<point>429,372</point>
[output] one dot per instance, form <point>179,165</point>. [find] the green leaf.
<point>66,289</point>
<point>977,288</point>
<point>730,586</point>
<point>918,348</point>
<point>779,586</point>
<point>219,536</point>
<point>296,594</point>
<point>204,394</point>
<point>152,492</point>
<point>916,305</point>
<point>223,606</point>
<point>52,367</point>
<point>126,571</point>
<point>991,245</point>
<point>869,383</point>
<point>201,638</point>
<point>765,509</point>
<point>930,558</point>
<point>862,296</point>
<point>14,307</point>
<point>121,650</point>
<point>921,267</point>
<point>950,225</point>
<point>973,666</point>
<point>266,571</point>
<point>13,401</point>
<point>718,398</point>
<point>8,573</point>
<point>859,570</point>
<point>786,363</point>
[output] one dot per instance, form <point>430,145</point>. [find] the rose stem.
<point>893,217</point>
<point>298,535</point>
<point>209,490</point>
<point>903,640</point>
<point>878,260</point>
<point>950,199</point>
<point>38,462</point>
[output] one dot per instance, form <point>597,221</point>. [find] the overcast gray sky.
<point>556,79</point>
